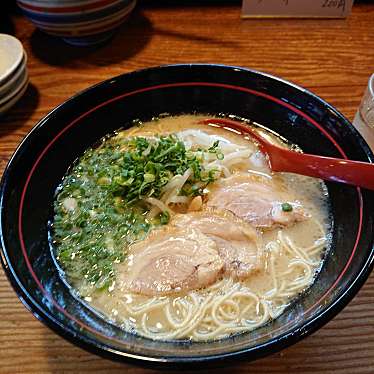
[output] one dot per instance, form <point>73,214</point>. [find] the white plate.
<point>11,54</point>
<point>17,87</point>
<point>10,103</point>
<point>13,77</point>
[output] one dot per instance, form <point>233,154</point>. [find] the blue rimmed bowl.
<point>78,22</point>
<point>38,165</point>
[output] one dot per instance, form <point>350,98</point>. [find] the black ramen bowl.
<point>40,162</point>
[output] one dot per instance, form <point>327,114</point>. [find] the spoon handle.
<point>356,173</point>
<point>332,169</point>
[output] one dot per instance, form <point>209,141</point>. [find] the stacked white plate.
<point>13,72</point>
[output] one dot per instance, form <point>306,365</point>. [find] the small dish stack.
<point>78,22</point>
<point>13,72</point>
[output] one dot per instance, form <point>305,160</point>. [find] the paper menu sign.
<point>296,8</point>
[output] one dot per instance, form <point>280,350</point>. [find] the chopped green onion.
<point>148,178</point>
<point>287,207</point>
<point>164,218</point>
<point>109,183</point>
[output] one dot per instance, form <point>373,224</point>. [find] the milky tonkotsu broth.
<point>292,256</point>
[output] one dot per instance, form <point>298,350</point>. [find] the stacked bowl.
<point>13,73</point>
<point>78,22</point>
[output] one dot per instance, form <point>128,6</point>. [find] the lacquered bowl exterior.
<point>42,159</point>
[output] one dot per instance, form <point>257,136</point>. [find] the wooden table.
<point>333,58</point>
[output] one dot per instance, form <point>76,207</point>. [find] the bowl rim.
<point>286,339</point>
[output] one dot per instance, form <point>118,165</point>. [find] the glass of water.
<point>364,119</point>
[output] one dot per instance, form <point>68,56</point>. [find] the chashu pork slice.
<point>238,243</point>
<point>263,202</point>
<point>171,259</point>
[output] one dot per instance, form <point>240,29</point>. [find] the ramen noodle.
<point>177,230</point>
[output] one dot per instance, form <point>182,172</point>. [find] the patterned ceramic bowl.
<point>78,22</point>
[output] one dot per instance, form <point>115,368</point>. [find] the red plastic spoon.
<point>328,168</point>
